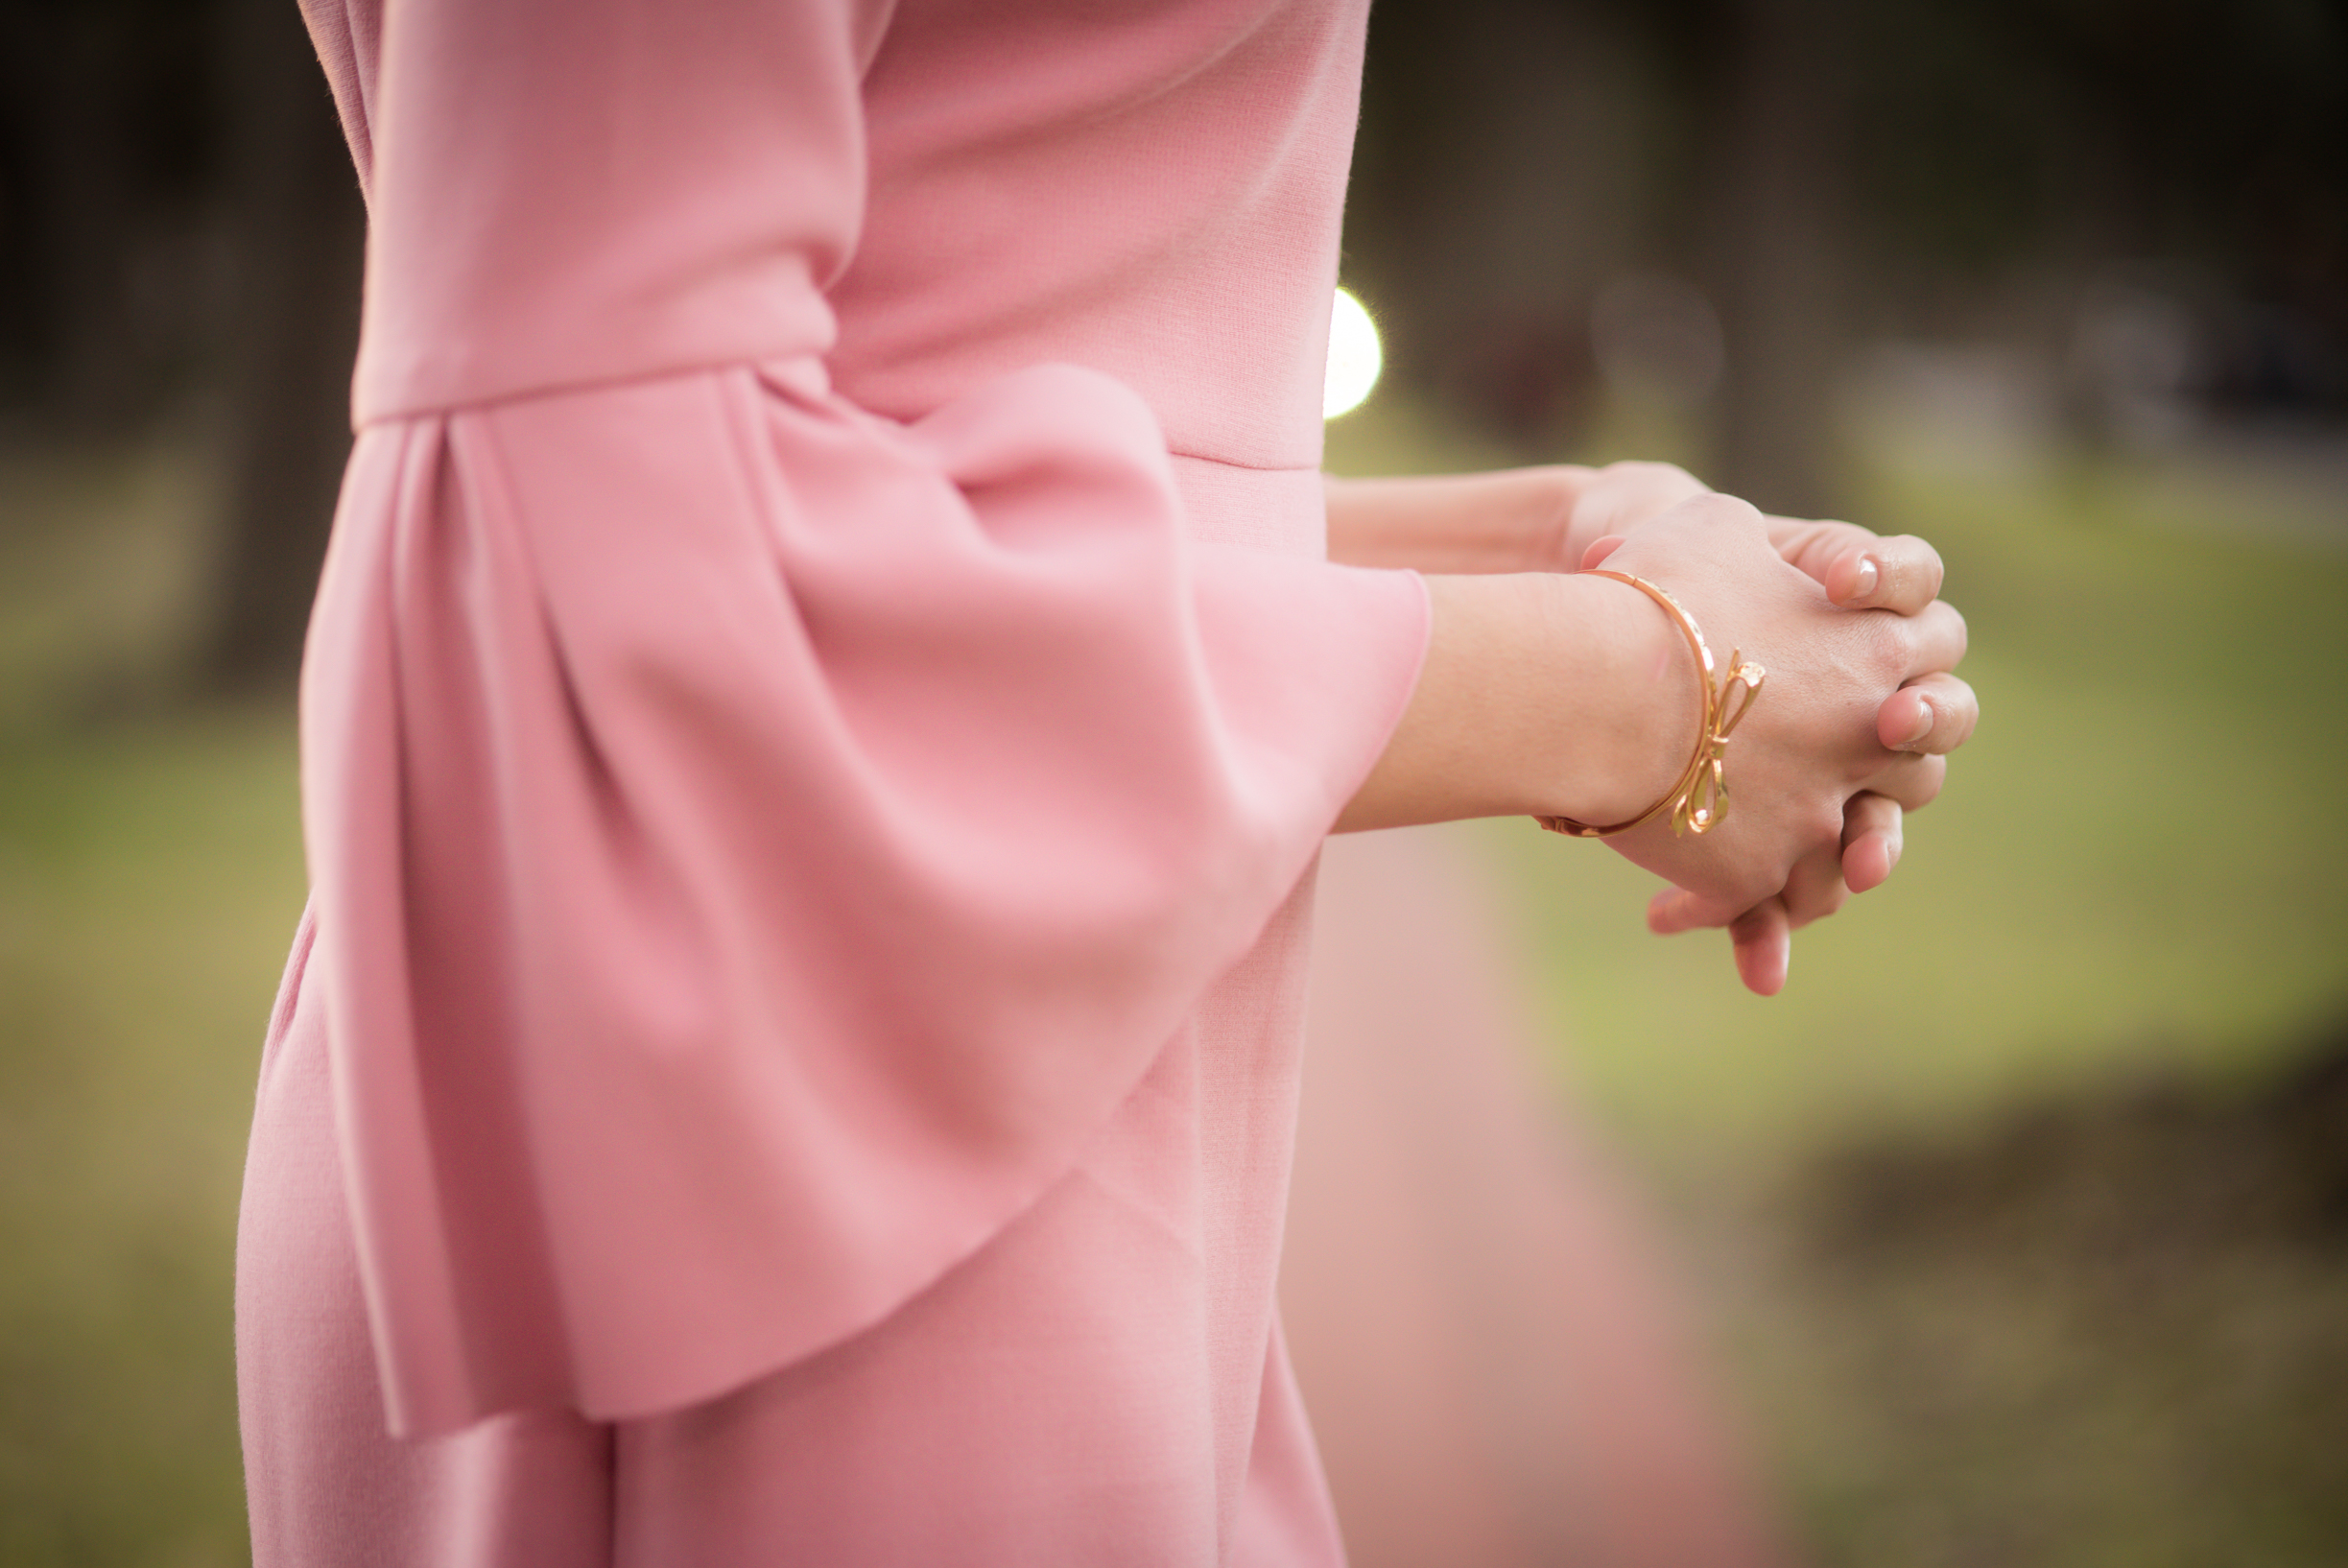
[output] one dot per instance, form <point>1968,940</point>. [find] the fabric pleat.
<point>756,842</point>
<point>757,845</point>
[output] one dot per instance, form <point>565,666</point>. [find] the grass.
<point>2134,865</point>
<point>2133,894</point>
<point>2138,871</point>
<point>2114,1331</point>
<point>149,877</point>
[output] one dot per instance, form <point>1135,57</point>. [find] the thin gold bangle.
<point>1698,799</point>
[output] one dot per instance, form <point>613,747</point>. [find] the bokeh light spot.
<point>1355,358</point>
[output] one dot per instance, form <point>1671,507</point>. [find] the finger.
<point>1933,713</point>
<point>1599,549</point>
<point>1901,574</point>
<point>1814,889</point>
<point>1763,940</point>
<point>1937,639</point>
<point>1814,546</point>
<point>1912,781</point>
<point>1872,838</point>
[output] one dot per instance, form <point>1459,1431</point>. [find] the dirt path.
<point>1496,1365</point>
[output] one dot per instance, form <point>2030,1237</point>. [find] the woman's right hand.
<point>1825,750</point>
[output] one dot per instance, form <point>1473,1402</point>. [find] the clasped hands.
<point>1862,708</point>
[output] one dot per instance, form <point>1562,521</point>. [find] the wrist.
<point>1542,695</point>
<point>1697,798</point>
<point>1644,706</point>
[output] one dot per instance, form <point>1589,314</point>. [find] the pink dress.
<point>820,715</point>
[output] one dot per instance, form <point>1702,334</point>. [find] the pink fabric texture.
<point>820,709</point>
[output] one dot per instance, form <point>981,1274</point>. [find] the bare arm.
<point>1555,519</point>
<point>1547,518</point>
<point>1541,694</point>
<point>1509,520</point>
<point>1575,696</point>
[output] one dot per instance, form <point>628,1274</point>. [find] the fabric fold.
<point>757,844</point>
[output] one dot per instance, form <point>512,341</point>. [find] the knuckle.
<point>1871,813</point>
<point>1726,510</point>
<point>1953,715</point>
<point>1887,647</point>
<point>1935,573</point>
<point>1749,884</point>
<point>1920,563</point>
<point>1941,630</point>
<point>1931,772</point>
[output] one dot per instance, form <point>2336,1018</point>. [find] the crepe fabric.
<point>821,707</point>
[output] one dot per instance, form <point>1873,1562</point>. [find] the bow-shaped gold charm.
<point>1703,797</point>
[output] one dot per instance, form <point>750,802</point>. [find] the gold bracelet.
<point>1699,798</point>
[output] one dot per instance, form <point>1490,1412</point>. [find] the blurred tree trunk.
<point>1495,191</point>
<point>1780,261</point>
<point>64,68</point>
<point>298,229</point>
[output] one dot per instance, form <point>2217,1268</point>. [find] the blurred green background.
<point>2022,1217</point>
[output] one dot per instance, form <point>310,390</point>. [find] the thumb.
<point>1675,910</point>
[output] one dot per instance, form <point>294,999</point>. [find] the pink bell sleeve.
<point>756,843</point>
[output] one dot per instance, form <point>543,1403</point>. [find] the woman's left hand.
<point>1568,518</point>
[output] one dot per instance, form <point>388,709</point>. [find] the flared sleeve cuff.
<point>757,844</point>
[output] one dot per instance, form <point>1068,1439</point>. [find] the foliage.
<point>2022,1237</point>
<point>149,879</point>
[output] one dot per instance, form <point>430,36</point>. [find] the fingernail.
<point>1923,727</point>
<point>1869,576</point>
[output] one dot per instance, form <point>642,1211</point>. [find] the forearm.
<point>1541,694</point>
<point>1514,520</point>
<point>1518,707</point>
